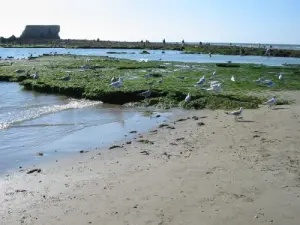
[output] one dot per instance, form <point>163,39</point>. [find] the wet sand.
<point>213,170</point>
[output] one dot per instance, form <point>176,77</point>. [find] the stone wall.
<point>38,32</point>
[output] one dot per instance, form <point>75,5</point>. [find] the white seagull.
<point>215,87</point>
<point>117,84</point>
<point>271,101</point>
<point>35,76</point>
<point>214,73</point>
<point>237,113</point>
<point>232,78</point>
<point>280,76</point>
<point>146,94</point>
<point>201,81</point>
<point>188,98</point>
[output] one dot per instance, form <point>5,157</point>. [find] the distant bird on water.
<point>271,102</point>
<point>188,98</point>
<point>117,84</point>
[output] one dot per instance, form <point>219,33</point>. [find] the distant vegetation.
<point>186,48</point>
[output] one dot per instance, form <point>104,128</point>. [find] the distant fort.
<point>38,32</point>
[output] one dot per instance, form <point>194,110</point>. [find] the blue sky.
<point>257,21</point>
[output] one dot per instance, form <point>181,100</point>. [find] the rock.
<point>38,32</point>
<point>34,170</point>
<point>201,124</point>
<point>182,119</point>
<point>195,118</point>
<point>256,136</point>
<point>157,116</point>
<point>145,152</point>
<point>128,142</point>
<point>115,146</point>
<point>133,132</point>
<point>20,190</point>
<point>163,125</point>
<point>83,151</point>
<point>179,139</point>
<point>146,141</point>
<point>19,71</point>
<point>145,52</point>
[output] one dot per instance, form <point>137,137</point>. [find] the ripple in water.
<point>12,118</point>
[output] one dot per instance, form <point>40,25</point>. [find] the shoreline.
<point>219,172</point>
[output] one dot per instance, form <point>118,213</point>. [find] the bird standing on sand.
<point>232,78</point>
<point>236,113</point>
<point>117,84</point>
<point>271,102</point>
<point>188,98</point>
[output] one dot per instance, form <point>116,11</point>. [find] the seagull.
<point>35,76</point>
<point>214,82</point>
<point>210,54</point>
<point>236,113</point>
<point>19,71</point>
<point>259,80</point>
<point>214,73</point>
<point>117,84</point>
<point>66,78</point>
<point>114,79</point>
<point>188,98</point>
<point>268,82</point>
<point>280,76</point>
<point>232,78</point>
<point>148,75</point>
<point>271,102</point>
<point>146,94</point>
<point>215,87</point>
<point>201,81</point>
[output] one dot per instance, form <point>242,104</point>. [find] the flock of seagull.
<point>215,86</point>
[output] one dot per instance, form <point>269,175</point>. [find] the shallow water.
<point>31,122</point>
<point>155,55</point>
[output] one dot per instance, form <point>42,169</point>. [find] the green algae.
<point>91,78</point>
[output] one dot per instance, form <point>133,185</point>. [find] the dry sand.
<point>222,172</point>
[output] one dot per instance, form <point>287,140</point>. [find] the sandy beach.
<point>203,168</point>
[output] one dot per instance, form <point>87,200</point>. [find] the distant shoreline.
<point>186,48</point>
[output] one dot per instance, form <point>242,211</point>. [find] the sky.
<point>236,21</point>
